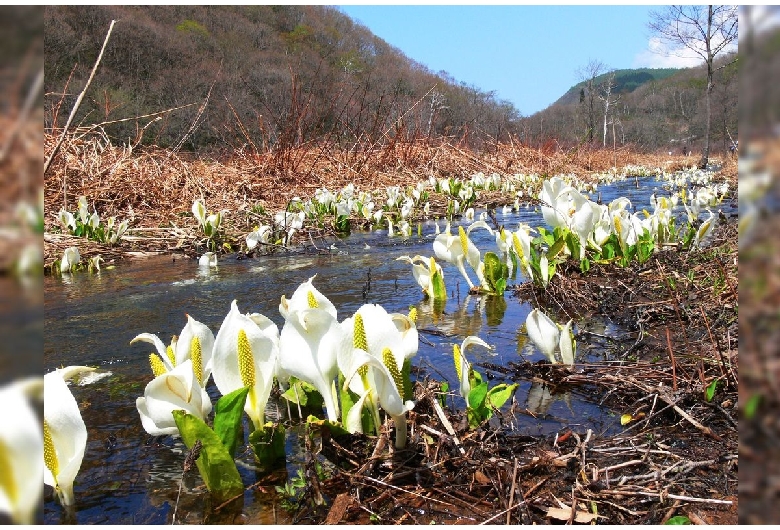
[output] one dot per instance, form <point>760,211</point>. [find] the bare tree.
<point>607,98</point>
<point>704,30</point>
<point>588,94</point>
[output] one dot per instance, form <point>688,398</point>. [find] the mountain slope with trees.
<point>273,77</point>
<point>626,80</point>
<point>262,79</point>
<point>666,113</point>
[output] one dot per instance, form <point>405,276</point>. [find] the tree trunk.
<point>705,157</point>
<point>708,119</point>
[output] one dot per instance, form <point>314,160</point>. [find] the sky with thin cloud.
<point>528,55</point>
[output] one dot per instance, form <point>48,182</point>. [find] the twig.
<point>666,495</point>
<point>670,512</point>
<point>189,461</point>
<point>447,424</point>
<point>671,359</point>
<point>385,484</point>
<point>84,131</point>
<point>618,466</point>
<point>715,345</point>
<point>512,493</point>
<point>198,115</point>
<point>502,512</point>
<point>78,102</point>
<point>706,430</point>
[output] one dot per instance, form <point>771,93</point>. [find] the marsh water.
<point>129,477</point>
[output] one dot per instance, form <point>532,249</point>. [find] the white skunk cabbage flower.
<point>195,342</point>
<point>70,259</point>
<point>428,275</point>
<point>245,356</point>
<point>260,235</point>
<point>459,249</point>
<point>380,355</point>
<point>177,389</point>
<point>67,220</point>
<point>308,344</point>
<point>21,451</point>
<point>208,260</point>
<point>309,340</point>
<point>549,337</point>
<point>199,211</point>
<point>94,220</point>
<point>306,296</point>
<point>83,209</point>
<point>64,433</point>
<point>462,365</point>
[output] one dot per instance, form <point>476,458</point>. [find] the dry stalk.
<point>78,103</point>
<point>671,359</point>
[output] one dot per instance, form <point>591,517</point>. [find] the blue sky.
<point>529,55</point>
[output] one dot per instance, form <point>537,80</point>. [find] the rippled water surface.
<point>130,477</point>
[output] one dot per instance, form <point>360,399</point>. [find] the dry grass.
<point>154,188</point>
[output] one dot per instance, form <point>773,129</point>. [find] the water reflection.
<point>540,398</point>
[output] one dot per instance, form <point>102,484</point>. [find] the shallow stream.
<point>129,477</point>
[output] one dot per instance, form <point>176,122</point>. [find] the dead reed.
<point>154,188</point>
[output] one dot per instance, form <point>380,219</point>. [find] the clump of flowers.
<point>89,225</point>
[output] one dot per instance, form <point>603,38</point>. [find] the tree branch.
<point>78,102</point>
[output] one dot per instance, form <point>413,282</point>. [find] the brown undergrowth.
<point>154,188</point>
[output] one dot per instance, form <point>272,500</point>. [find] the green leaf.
<point>709,392</point>
<point>342,225</point>
<point>215,464</point>
<point>476,397</point>
<point>496,273</point>
<point>515,264</point>
<point>347,397</point>
<point>228,416</point>
<point>689,235</point>
<point>268,443</point>
<point>445,387</point>
<point>475,378</point>
<point>678,519</point>
<point>751,407</point>
<point>499,394</point>
<point>556,248</point>
<point>334,427</point>
<point>608,248</point>
<point>406,375</point>
<point>437,282</point>
<point>303,394</point>
<point>584,265</point>
<point>573,243</point>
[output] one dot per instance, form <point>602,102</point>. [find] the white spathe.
<point>65,434</point>
<point>70,258</point>
<point>21,450</point>
<point>245,355</point>
<point>309,341</point>
<point>177,389</point>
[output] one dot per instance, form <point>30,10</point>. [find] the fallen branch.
<point>666,495</point>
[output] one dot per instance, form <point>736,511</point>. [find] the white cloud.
<point>661,53</point>
<point>658,55</point>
